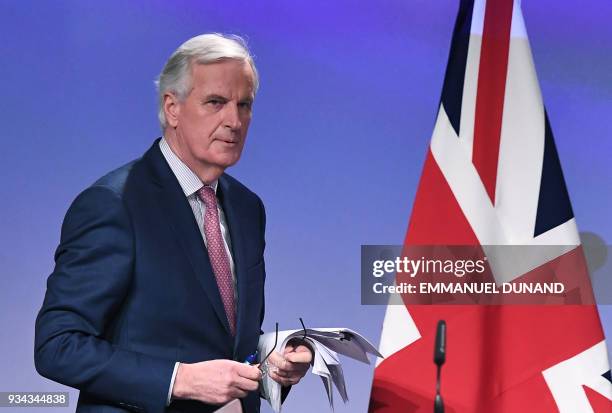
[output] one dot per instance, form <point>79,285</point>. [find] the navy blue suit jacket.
<point>133,290</point>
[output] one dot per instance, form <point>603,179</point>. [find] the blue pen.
<point>251,358</point>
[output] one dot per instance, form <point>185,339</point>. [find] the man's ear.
<point>171,109</point>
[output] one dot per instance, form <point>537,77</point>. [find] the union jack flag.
<point>492,176</point>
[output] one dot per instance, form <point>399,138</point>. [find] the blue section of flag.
<point>608,375</point>
<point>554,207</point>
<point>452,91</point>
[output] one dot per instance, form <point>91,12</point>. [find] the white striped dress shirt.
<point>191,184</point>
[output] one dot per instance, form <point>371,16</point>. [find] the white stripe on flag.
<point>521,148</point>
<point>399,331</point>
<point>468,100</point>
<point>566,379</point>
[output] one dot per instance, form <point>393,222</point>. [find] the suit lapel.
<point>231,207</point>
<point>184,226</point>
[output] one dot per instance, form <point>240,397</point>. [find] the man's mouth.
<point>228,141</point>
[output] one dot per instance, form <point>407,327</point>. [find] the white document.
<point>232,407</point>
<point>327,343</point>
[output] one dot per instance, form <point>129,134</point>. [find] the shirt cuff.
<point>169,399</point>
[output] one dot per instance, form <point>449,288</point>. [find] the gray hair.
<point>203,49</point>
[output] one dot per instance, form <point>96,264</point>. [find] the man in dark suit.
<point>157,296</point>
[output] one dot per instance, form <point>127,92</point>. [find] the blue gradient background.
<point>349,93</point>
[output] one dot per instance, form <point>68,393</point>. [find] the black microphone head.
<point>440,346</point>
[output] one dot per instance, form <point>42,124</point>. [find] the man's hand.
<point>292,365</point>
<point>215,381</point>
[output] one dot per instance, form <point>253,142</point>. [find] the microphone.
<point>439,359</point>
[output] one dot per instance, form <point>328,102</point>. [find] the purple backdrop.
<point>349,93</point>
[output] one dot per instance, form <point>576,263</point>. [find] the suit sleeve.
<point>91,279</point>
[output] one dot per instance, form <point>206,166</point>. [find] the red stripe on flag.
<point>491,89</point>
<point>436,216</point>
<point>599,403</point>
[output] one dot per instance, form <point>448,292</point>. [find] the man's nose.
<point>232,117</point>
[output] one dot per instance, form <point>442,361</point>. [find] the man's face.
<point>210,125</point>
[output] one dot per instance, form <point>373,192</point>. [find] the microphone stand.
<point>439,359</point>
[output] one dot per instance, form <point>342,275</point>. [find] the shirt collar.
<point>187,179</point>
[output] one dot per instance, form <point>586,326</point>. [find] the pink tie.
<point>217,254</point>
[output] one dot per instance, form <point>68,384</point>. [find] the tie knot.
<point>207,195</point>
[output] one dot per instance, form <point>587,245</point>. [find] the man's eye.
<point>245,105</point>
<point>214,102</point>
